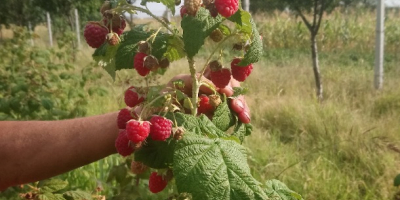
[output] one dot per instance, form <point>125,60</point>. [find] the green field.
<point>347,147</point>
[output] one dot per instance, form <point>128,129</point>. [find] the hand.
<point>238,104</point>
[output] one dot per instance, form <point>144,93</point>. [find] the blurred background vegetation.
<point>347,147</point>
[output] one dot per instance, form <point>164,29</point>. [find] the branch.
<point>304,18</point>
<point>321,13</point>
<point>315,10</point>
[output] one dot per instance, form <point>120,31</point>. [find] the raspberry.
<point>160,128</point>
<point>122,144</point>
<point>113,39</point>
<point>204,106</point>
<point>219,76</point>
<point>95,34</point>
<point>216,35</point>
<point>137,130</point>
<point>164,63</point>
<point>138,64</point>
<point>157,183</point>
<point>144,47</point>
<point>192,6</point>
<point>132,98</point>
<point>118,24</point>
<point>183,11</point>
<point>124,116</point>
<point>240,73</point>
<point>213,10</point>
<point>227,8</point>
<point>138,167</point>
<point>151,63</point>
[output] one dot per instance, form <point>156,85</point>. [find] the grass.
<point>343,148</point>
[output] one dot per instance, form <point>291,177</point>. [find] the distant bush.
<point>40,83</point>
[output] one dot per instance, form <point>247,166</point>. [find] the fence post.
<point>30,33</point>
<point>379,51</point>
<point>77,28</point>
<point>49,28</point>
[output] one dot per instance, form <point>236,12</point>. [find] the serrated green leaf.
<point>169,3</point>
<point>52,185</point>
<point>156,154</point>
<point>255,51</point>
<point>200,125</point>
<point>242,130</point>
<point>77,195</point>
<point>197,29</point>
<point>104,56</point>
<point>175,49</point>
<point>223,117</point>
<point>277,190</point>
<point>396,181</point>
<point>214,169</point>
<point>243,20</point>
<point>50,196</point>
<point>237,91</point>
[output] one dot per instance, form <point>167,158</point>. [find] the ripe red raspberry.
<point>132,98</point>
<point>95,34</point>
<point>124,116</point>
<point>138,64</point>
<point>227,8</point>
<point>219,76</point>
<point>238,72</point>
<point>137,130</point>
<point>183,11</point>
<point>160,128</point>
<point>204,106</point>
<point>122,144</point>
<point>157,183</point>
<point>138,167</point>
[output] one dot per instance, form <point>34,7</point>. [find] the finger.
<point>228,90</point>
<point>237,105</point>
<point>244,117</point>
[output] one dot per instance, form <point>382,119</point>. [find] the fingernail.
<point>240,103</point>
<point>244,117</point>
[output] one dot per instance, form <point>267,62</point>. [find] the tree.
<point>316,8</point>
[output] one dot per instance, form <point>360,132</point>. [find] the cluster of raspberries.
<point>108,29</point>
<point>133,132</point>
<point>225,8</point>
<point>222,76</point>
<point>144,62</point>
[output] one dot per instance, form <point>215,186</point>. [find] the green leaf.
<point>396,181</point>
<point>223,117</point>
<point>277,190</point>
<point>214,169</point>
<point>197,29</point>
<point>241,130</point>
<point>47,103</point>
<point>52,185</point>
<point>200,125</point>
<point>237,91</point>
<point>156,154</point>
<point>77,195</point>
<point>175,49</point>
<point>50,196</point>
<point>243,20</point>
<point>104,56</point>
<point>255,51</point>
<point>169,3</point>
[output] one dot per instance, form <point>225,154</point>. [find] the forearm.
<point>35,150</point>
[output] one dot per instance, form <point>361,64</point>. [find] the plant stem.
<point>195,86</point>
